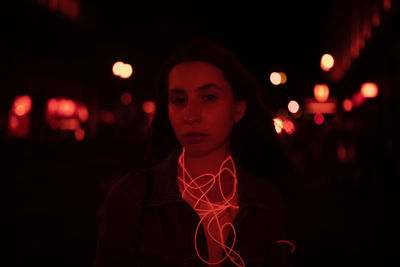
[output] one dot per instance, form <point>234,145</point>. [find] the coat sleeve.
<point>120,222</point>
<point>282,247</point>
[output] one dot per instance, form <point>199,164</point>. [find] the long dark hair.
<point>253,140</point>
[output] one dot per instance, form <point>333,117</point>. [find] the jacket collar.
<point>165,185</point>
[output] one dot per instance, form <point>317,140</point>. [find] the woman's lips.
<point>194,138</point>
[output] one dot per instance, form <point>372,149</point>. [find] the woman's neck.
<point>210,163</point>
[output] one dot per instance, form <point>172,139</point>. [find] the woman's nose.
<point>191,113</point>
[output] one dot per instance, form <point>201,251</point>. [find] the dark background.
<point>343,211</point>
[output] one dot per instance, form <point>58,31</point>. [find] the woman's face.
<point>201,107</point>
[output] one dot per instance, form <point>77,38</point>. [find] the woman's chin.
<point>196,150</point>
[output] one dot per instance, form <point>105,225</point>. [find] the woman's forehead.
<point>195,74</point>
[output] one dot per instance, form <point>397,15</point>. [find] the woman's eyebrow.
<point>201,88</point>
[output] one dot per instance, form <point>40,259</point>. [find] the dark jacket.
<point>157,227</point>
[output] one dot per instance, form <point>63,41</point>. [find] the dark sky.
<point>266,35</point>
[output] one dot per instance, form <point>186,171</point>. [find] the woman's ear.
<point>240,110</point>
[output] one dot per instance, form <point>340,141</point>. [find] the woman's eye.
<point>210,97</point>
<point>178,100</point>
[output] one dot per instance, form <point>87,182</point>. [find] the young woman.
<point>205,199</point>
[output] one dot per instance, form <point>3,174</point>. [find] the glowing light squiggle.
<point>287,242</point>
<point>212,210</point>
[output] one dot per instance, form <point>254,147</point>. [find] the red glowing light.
<point>341,153</point>
<point>327,62</point>
<point>18,126</point>
<point>293,106</point>
<point>347,105</point>
<point>22,105</point>
<point>108,117</point>
<point>321,92</point>
<point>283,77</point>
<point>13,122</point>
<point>149,107</point>
<point>210,212</point>
<point>319,118</point>
<point>278,124</point>
<point>62,107</point>
<point>275,78</point>
<point>83,113</point>
<point>79,134</point>
<point>122,69</point>
<point>52,106</point>
<point>369,90</point>
<point>126,98</point>
<point>376,20</point>
<point>288,126</point>
<point>116,67</point>
<point>125,71</point>
<point>358,99</point>
<point>387,5</point>
<point>66,108</point>
<point>68,124</point>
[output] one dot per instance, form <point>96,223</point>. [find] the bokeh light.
<point>79,134</point>
<point>13,122</point>
<point>126,98</point>
<point>347,105</point>
<point>319,118</point>
<point>293,106</point>
<point>149,107</point>
<point>125,71</point>
<point>358,99</point>
<point>283,77</point>
<point>321,92</point>
<point>387,5</point>
<point>369,90</point>
<point>288,126</point>
<point>122,69</point>
<point>278,124</point>
<point>107,116</point>
<point>275,78</point>
<point>327,62</point>
<point>83,113</point>
<point>66,107</point>
<point>22,105</point>
<point>341,152</point>
<point>116,67</point>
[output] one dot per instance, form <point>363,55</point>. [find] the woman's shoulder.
<point>132,185</point>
